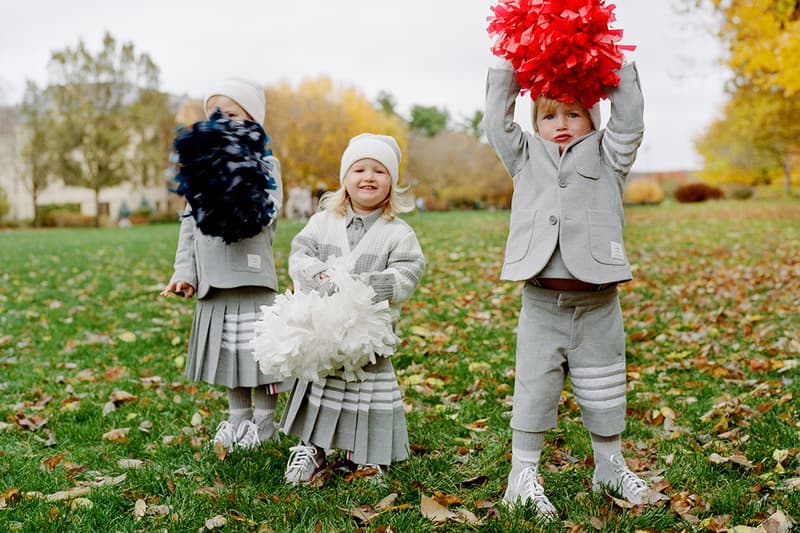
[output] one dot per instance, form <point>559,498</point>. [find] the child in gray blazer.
<point>565,243</point>
<point>231,280</point>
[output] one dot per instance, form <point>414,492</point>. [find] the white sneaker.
<point>616,475</point>
<point>267,429</point>
<point>524,488</point>
<point>225,435</point>
<point>305,463</point>
<point>247,435</point>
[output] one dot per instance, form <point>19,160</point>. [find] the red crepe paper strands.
<point>562,49</point>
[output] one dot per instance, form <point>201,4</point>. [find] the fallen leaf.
<point>215,522</point>
<point>121,396</point>
<point>432,510</point>
<point>127,336</point>
<point>139,509</point>
<point>117,435</point>
<point>81,503</point>
<point>70,494</point>
<point>130,463</point>
<point>51,463</point>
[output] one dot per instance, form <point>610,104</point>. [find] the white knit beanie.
<point>249,95</point>
<point>382,148</point>
<point>594,116</point>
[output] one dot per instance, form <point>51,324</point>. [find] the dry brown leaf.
<point>220,451</point>
<point>51,463</point>
<point>465,516</point>
<point>117,435</point>
<point>70,494</point>
<point>139,509</point>
<point>81,503</point>
<point>121,396</point>
<point>432,510</point>
<point>777,523</point>
<point>108,407</point>
<point>387,502</point>
<point>446,499</point>
<point>215,522</point>
<point>10,495</point>
<point>130,463</point>
<point>32,422</point>
<point>211,492</point>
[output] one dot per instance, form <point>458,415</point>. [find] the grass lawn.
<point>100,431</point>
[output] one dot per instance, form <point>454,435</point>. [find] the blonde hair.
<point>398,201</point>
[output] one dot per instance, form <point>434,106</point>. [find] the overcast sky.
<point>424,52</point>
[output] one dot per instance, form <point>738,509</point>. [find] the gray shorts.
<point>575,333</point>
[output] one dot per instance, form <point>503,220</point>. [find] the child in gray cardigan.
<point>357,222</point>
<point>231,281</point>
<point>565,243</point>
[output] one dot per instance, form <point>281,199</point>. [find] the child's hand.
<point>326,285</point>
<point>181,288</point>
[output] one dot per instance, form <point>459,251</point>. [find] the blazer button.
<point>553,219</point>
<point>562,182</point>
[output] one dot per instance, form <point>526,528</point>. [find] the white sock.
<point>526,450</point>
<point>605,447</point>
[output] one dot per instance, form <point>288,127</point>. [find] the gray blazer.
<point>206,262</point>
<point>573,200</point>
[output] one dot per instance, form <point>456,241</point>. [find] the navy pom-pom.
<point>225,175</point>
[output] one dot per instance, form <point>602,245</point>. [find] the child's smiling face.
<point>563,123</point>
<point>368,184</point>
<point>228,107</point>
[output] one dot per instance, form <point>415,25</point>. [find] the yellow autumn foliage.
<point>643,191</point>
<point>311,123</point>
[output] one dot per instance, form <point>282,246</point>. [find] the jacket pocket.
<point>246,255</point>
<point>587,167</point>
<point>520,234</point>
<point>605,237</point>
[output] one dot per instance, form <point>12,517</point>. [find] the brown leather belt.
<point>567,285</point>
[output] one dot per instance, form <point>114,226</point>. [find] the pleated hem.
<point>365,417</point>
<point>223,325</point>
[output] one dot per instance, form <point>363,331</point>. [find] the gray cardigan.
<point>205,262</point>
<point>573,200</point>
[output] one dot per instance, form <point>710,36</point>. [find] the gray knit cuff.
<point>383,284</point>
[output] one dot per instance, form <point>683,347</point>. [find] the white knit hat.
<point>594,116</point>
<point>382,148</point>
<point>249,95</point>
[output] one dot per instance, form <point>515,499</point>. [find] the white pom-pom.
<point>309,335</point>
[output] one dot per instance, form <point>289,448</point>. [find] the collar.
<point>368,219</point>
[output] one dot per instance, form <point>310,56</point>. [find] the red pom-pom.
<point>561,49</point>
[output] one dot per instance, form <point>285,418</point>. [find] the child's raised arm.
<point>625,128</point>
<point>504,135</point>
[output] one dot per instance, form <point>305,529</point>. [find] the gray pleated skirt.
<point>366,418</point>
<point>219,345</point>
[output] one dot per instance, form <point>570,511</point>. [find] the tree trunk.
<point>35,198</point>
<point>97,208</point>
<point>787,175</point>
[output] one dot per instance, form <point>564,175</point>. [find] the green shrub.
<point>44,212</point>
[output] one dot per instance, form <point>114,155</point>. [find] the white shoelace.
<point>247,436</point>
<point>528,488</point>
<point>299,458</point>
<point>225,434</point>
<point>631,482</point>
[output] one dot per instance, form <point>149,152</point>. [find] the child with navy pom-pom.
<point>224,255</point>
